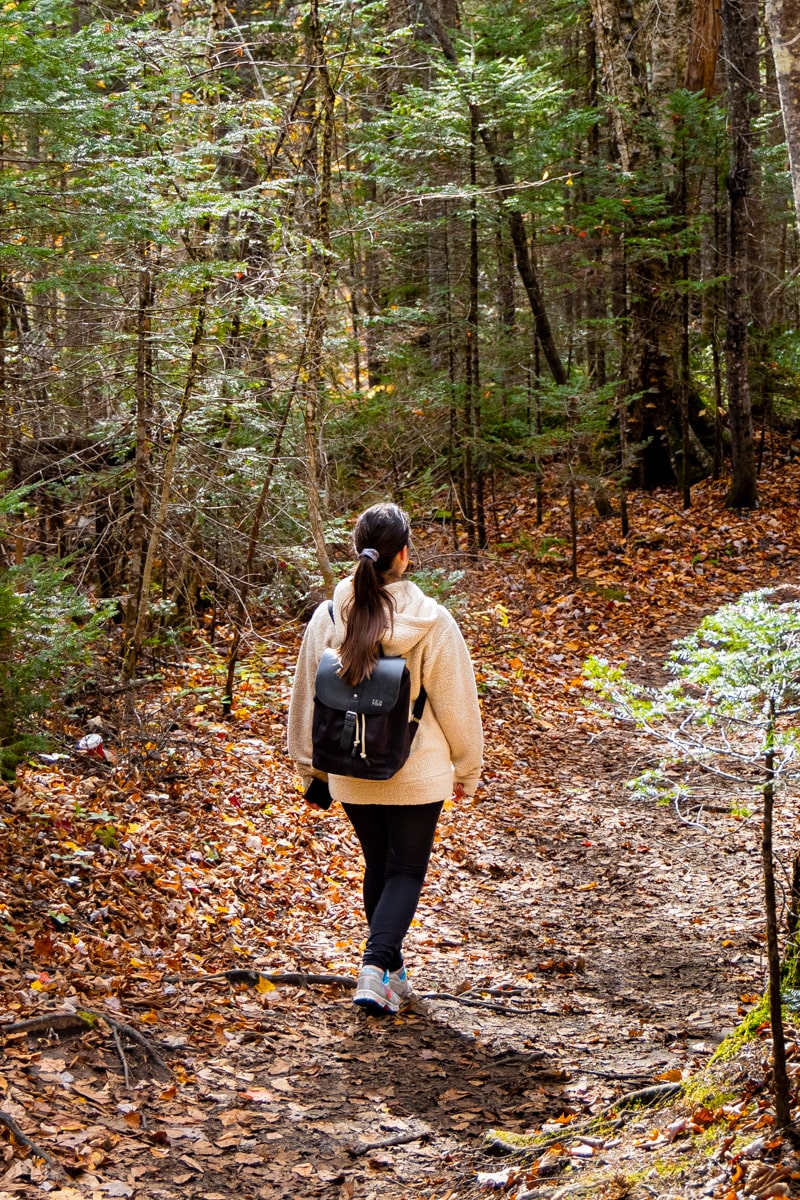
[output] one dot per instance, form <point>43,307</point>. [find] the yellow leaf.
<point>264,985</point>
<point>586,887</point>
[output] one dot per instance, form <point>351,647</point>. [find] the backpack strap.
<point>419,707</point>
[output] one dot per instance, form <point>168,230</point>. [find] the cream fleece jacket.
<point>448,746</point>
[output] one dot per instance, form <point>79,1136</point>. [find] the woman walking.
<point>394,819</point>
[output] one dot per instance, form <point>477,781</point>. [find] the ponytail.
<point>380,534</point>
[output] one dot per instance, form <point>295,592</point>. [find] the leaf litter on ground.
<point>620,942</point>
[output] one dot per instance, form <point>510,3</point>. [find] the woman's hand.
<point>458,792</point>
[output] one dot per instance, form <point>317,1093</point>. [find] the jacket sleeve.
<point>318,634</point>
<point>449,680</point>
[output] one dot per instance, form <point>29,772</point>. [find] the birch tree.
<point>783,22</point>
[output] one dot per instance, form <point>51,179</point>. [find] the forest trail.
<point>625,940</point>
<point>598,943</point>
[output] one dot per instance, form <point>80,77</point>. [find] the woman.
<point>394,820</point>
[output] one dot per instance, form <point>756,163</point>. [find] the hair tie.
<point>368,552</point>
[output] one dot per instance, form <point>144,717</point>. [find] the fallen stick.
<point>122,1057</point>
<point>557,1193</point>
<point>35,1149</point>
<point>401,1139</point>
<point>581,1070</point>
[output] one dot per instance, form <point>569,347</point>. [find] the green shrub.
<point>46,629</point>
<point>440,584</point>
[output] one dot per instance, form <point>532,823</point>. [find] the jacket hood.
<point>415,614</point>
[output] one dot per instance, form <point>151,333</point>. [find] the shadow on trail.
<point>454,1080</point>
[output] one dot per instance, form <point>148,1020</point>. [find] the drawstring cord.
<point>360,738</point>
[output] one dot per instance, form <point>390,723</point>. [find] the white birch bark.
<point>783,22</point>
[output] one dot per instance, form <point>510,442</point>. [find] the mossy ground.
<point>755,1020</point>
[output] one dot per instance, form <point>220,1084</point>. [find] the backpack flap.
<point>363,730</point>
<point>372,696</point>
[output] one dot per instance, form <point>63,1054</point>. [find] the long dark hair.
<point>380,534</point>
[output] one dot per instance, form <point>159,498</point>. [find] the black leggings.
<point>396,840</point>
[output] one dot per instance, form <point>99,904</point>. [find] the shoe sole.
<point>374,1007</point>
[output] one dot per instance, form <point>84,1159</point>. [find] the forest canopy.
<point>261,262</point>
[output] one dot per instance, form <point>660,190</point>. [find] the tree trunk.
<point>618,36</point>
<point>6,700</point>
<point>473,415</point>
<point>701,65</point>
<point>320,263</point>
<point>133,649</point>
<point>739,25</point>
<point>783,1113</point>
<point>783,22</point>
<point>504,181</point>
<point>142,464</point>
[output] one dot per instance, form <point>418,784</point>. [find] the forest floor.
<point>574,944</point>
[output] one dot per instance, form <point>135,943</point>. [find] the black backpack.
<point>363,730</point>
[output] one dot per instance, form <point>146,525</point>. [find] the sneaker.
<point>373,992</point>
<point>401,988</point>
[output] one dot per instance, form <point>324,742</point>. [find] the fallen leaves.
<point>129,882</point>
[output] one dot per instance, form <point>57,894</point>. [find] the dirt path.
<point>624,935</point>
<point>629,934</point>
<point>632,936</point>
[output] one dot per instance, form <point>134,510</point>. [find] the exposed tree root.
<point>252,978</point>
<point>55,1022</point>
<point>646,1095</point>
<point>401,1139</point>
<point>78,1022</point>
<point>507,1010</point>
<point>35,1149</point>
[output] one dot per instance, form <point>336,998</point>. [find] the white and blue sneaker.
<point>400,987</point>
<point>373,992</point>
